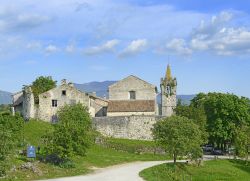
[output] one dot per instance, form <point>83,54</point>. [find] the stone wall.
<point>45,109</point>
<point>129,127</point>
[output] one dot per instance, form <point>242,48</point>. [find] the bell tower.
<point>168,93</point>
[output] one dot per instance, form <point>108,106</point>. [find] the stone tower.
<point>28,103</point>
<point>168,94</point>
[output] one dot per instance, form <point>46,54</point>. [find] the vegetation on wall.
<point>41,85</point>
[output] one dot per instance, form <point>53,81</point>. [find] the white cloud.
<point>70,48</point>
<point>178,46</point>
<point>217,36</point>
<point>215,24</point>
<point>12,21</point>
<point>106,47</point>
<point>51,49</point>
<point>34,45</point>
<point>135,47</point>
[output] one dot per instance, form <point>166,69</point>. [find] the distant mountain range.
<point>101,90</point>
<point>5,97</point>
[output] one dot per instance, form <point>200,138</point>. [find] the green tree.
<point>72,134</point>
<point>196,114</point>
<point>225,113</point>
<point>41,85</point>
<point>179,136</point>
<point>242,142</point>
<point>11,135</point>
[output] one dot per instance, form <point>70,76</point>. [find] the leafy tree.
<point>196,114</point>
<point>242,142</point>
<point>11,135</point>
<point>41,85</point>
<point>72,134</point>
<point>180,136</point>
<point>225,113</point>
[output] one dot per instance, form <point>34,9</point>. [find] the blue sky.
<point>207,43</point>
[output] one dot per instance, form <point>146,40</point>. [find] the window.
<point>54,103</point>
<point>168,90</point>
<point>54,119</point>
<point>132,95</point>
<point>64,93</point>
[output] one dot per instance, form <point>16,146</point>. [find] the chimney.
<point>63,81</point>
<point>71,84</point>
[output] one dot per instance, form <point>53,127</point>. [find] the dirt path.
<point>124,172</point>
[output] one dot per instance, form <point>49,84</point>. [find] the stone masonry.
<point>129,127</point>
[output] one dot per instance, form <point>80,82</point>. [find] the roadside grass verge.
<point>132,146</point>
<point>231,170</point>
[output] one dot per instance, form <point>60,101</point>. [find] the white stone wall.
<point>168,105</point>
<point>45,108</point>
<point>120,90</point>
<point>129,127</point>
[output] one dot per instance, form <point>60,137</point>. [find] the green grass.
<point>131,146</point>
<point>215,170</point>
<point>96,156</point>
<point>34,130</point>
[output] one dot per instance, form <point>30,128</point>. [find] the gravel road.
<point>124,172</point>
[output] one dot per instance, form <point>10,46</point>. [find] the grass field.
<point>96,156</point>
<point>215,170</point>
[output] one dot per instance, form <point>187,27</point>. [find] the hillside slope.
<point>5,97</point>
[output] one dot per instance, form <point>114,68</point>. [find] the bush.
<point>72,134</point>
<point>11,134</point>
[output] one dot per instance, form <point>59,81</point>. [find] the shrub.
<point>72,134</point>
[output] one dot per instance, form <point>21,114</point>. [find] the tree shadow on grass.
<point>241,164</point>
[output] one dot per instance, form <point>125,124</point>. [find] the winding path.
<point>124,172</point>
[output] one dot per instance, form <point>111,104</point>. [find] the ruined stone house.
<point>52,100</point>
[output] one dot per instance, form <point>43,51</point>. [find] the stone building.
<point>132,96</point>
<point>130,112</point>
<point>168,94</point>
<point>132,107</point>
<point>52,100</point>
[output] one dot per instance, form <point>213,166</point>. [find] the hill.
<point>5,97</point>
<point>101,88</point>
